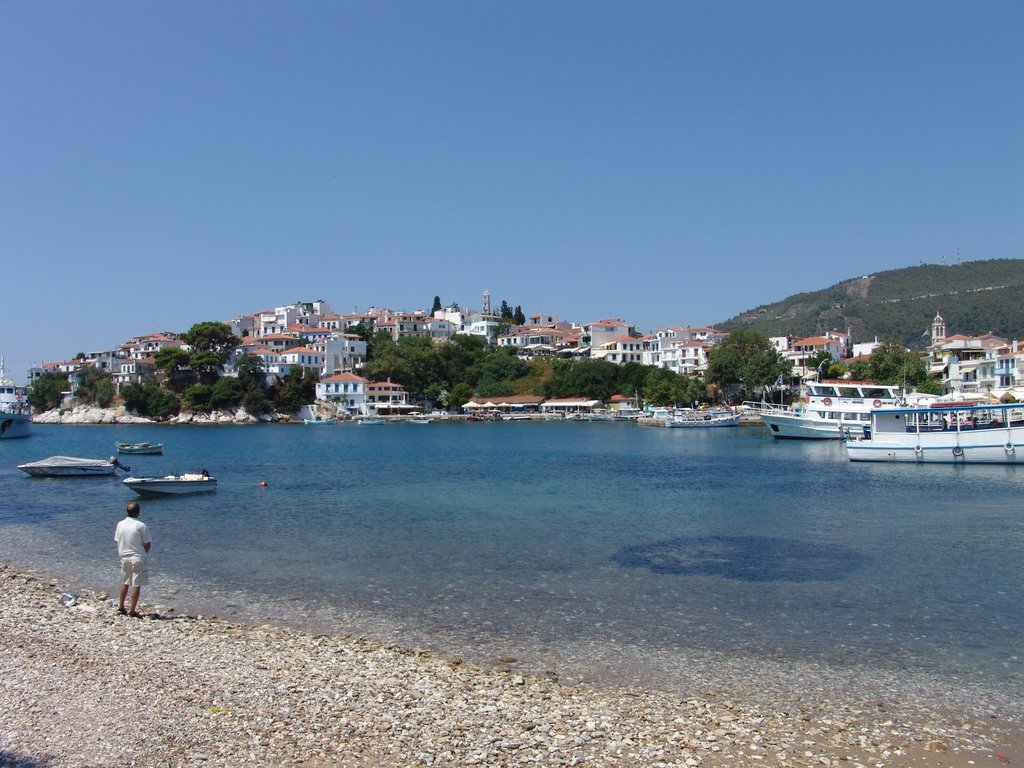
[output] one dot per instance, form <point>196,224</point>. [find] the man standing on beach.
<point>132,537</point>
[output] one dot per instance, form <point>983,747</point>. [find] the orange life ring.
<point>877,403</point>
<point>826,401</point>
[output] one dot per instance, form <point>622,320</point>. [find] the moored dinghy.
<point>140,448</point>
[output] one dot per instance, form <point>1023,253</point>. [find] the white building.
<point>345,389</point>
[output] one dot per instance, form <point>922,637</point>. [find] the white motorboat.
<point>832,408</point>
<point>942,433</point>
<point>172,485</point>
<point>703,418</point>
<point>15,414</point>
<point>72,466</point>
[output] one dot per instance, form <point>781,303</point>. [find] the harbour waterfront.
<point>683,560</point>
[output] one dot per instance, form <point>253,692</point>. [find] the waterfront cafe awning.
<point>1009,395</point>
<point>388,407</point>
<point>571,404</point>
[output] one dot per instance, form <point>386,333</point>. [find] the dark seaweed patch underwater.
<point>744,558</point>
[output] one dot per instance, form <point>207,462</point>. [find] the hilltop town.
<point>311,342</point>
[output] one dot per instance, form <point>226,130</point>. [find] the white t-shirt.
<point>131,536</point>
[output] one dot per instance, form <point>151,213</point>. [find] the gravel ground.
<point>81,685</point>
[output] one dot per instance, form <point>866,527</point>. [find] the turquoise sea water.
<point>600,551</point>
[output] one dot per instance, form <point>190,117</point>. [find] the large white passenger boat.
<point>832,407</point>
<point>943,433</point>
<point>15,414</point>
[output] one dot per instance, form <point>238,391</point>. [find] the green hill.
<point>974,297</point>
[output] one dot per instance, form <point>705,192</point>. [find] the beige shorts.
<point>133,571</point>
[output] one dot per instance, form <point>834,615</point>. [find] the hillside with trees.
<point>974,298</point>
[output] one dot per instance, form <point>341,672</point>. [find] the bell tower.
<point>938,329</point>
<point>486,309</point>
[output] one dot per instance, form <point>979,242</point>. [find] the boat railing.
<point>761,407</point>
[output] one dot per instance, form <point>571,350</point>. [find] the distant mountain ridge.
<point>973,297</point>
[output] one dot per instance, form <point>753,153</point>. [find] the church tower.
<point>486,309</point>
<point>938,330</point>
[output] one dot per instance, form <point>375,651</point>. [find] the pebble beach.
<point>81,685</point>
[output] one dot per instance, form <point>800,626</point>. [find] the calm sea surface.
<point>599,551</point>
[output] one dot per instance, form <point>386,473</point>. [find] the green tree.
<point>160,404</point>
<point>225,393</point>
<point>745,362</point>
<point>197,398</point>
<point>891,363</point>
<point>360,329</point>
<point>518,317</point>
<point>384,359</point>
<point>437,305</point>
<point>149,400</point>
<point>423,365</point>
<point>820,360</point>
<point>294,390</point>
<point>171,360</point>
<point>249,369</point>
<point>595,379</point>
<point>255,402</point>
<point>211,337</point>
<point>46,391</point>
<point>460,394</point>
<point>631,378</point>
<point>206,364</point>
<point>496,370</point>
<point>458,356</point>
<point>90,387</point>
<point>105,392</point>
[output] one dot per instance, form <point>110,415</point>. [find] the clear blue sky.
<point>670,163</point>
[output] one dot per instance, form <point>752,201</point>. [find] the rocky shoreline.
<point>82,685</point>
<point>91,414</point>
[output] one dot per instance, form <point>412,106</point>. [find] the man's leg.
<point>136,591</point>
<point>124,594</point>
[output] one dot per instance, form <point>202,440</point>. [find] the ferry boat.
<point>942,433</point>
<point>832,407</point>
<point>15,414</point>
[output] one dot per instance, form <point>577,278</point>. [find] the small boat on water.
<point>15,414</point>
<point>138,449</point>
<point>72,466</point>
<point>173,485</point>
<point>369,420</point>
<point>942,433</point>
<point>832,408</point>
<point>319,422</point>
<point>703,418</point>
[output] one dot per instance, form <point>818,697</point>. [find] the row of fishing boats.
<point>165,485</point>
<point>879,423</point>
